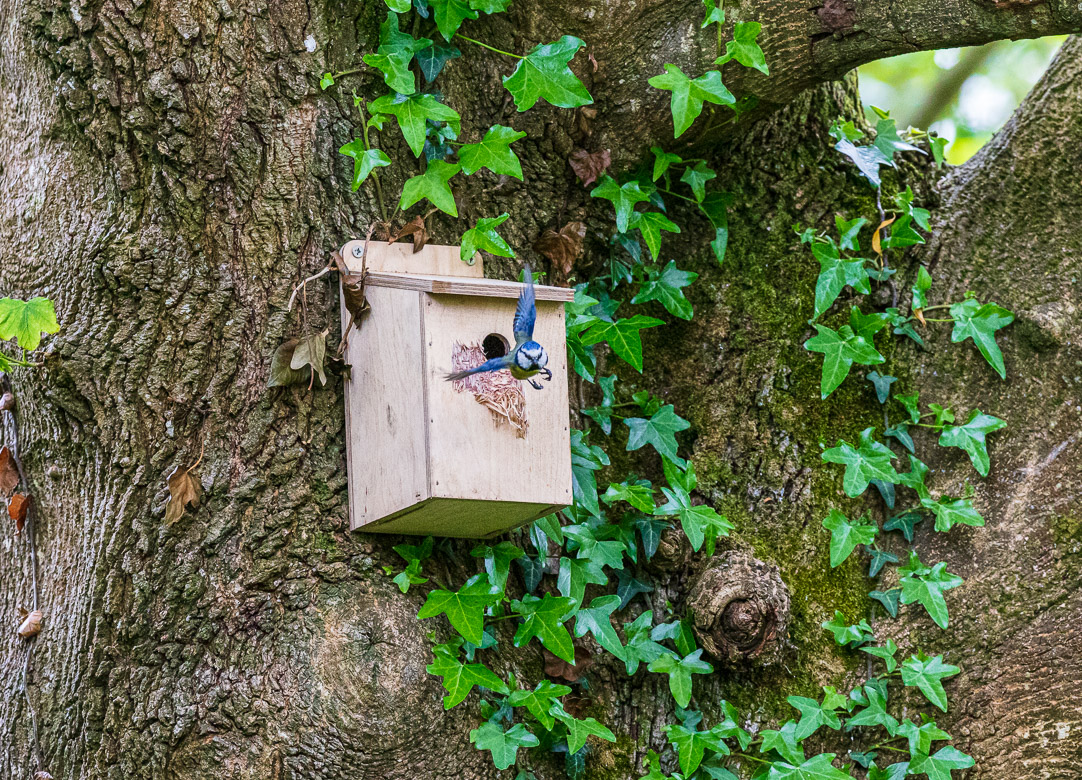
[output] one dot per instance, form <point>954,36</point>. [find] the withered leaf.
<point>588,166</point>
<point>184,489</point>
<point>18,505</point>
<point>353,295</point>
<point>41,774</point>
<point>877,245</point>
<point>561,669</point>
<point>416,228</point>
<point>311,351</point>
<point>9,472</point>
<point>562,248</point>
<point>7,402</point>
<point>281,375</point>
<point>31,624</point>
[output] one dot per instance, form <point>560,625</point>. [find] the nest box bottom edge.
<point>458,518</point>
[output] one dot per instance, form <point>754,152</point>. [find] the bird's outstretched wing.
<point>526,311</point>
<point>489,365</point>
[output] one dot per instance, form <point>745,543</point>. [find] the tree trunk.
<point>170,174</point>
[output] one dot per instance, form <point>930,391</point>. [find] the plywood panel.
<point>471,455</point>
<point>461,519</point>
<point>449,285</point>
<point>399,258</point>
<point>385,407</point>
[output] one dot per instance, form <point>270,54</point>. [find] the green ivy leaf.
<point>450,14</point>
<point>680,671</point>
<point>691,746</point>
<point>603,552</point>
<point>914,479</point>
<point>868,159</point>
<point>459,678</point>
<point>882,383</point>
<point>433,186</point>
<point>940,766</point>
<point>846,634</point>
<point>543,73</point>
<point>879,559</point>
<point>465,608</point>
<point>662,161</point>
<point>849,232</point>
<point>26,321</point>
<point>586,458</point>
<point>926,674</point>
<point>971,438</point>
<point>493,152</point>
<point>394,55</point>
<point>497,560</point>
<point>696,178</point>
<point>364,160</point>
<point>640,646</point>
<point>412,112</point>
<point>744,48</point>
<point>483,236</point>
<point>921,738</point>
<point>700,523</point>
<point>834,274</point>
<point>927,586</point>
<point>949,513</point>
<point>688,95</point>
<point>896,771</point>
<point>650,224</point>
<point>813,714</point>
<point>659,431</point>
<point>490,6</point>
<point>815,768</point>
<point>639,496</point>
<point>845,536</point>
<point>399,6</point>
<point>666,287</point>
<point>578,730</point>
<point>575,574</point>
<point>714,14</point>
<point>840,350</point>
<point>623,199</point>
<point>502,744</point>
<point>596,620</point>
<point>432,59</point>
<point>543,618</point>
<point>623,336</point>
<point>980,323</point>
<point>875,712</point>
<point>539,701</point>
<point>889,599</point>
<point>870,461</point>
<point>886,654</point>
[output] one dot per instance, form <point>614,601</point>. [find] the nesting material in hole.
<point>500,392</point>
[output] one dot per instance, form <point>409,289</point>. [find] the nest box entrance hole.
<point>494,345</point>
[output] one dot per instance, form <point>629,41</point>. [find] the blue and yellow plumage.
<point>528,358</point>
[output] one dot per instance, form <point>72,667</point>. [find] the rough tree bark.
<point>170,172</point>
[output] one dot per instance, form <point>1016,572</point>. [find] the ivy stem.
<point>490,48</point>
<point>677,195</point>
<point>937,306</point>
<point>752,758</point>
<point>930,319</point>
<point>375,174</point>
<point>886,747</point>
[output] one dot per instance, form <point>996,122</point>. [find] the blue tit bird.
<point>528,358</point>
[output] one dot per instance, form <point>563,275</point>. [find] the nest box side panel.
<point>473,454</point>
<point>385,407</point>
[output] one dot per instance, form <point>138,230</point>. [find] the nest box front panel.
<point>495,444</point>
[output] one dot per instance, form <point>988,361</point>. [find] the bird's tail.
<point>495,364</point>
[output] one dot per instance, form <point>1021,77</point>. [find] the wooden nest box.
<point>472,458</point>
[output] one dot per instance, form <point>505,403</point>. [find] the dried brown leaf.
<point>311,352</point>
<point>41,774</point>
<point>416,228</point>
<point>31,624</point>
<point>184,489</point>
<point>7,402</point>
<point>588,166</point>
<point>18,505</point>
<point>9,472</point>
<point>877,245</point>
<point>281,375</point>
<point>561,669</point>
<point>562,248</point>
<point>353,295</point>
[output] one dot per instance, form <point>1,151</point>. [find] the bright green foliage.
<point>575,574</point>
<point>639,496</point>
<point>483,236</point>
<point>602,414</point>
<point>413,555</point>
<point>813,714</point>
<point>888,142</point>
<point>886,653</point>
<point>578,730</point>
<point>662,161</point>
<point>893,772</point>
<point>921,737</point>
<point>927,586</point>
<point>714,14</point>
<point>493,152</point>
<point>543,73</point>
<point>942,415</point>
<point>680,671</point>
<point>845,536</point>
<point>870,461</point>
<point>940,766</point>
<point>490,6</point>
<point>604,553</point>
<point>783,742</point>
<point>889,599</point>
<point>623,336</point>
<point>926,675</point>
<point>846,634</point>
<point>26,321</point>
<point>659,431</point>
<point>696,178</point>
<point>840,350</point>
<point>666,286</point>
<point>700,523</point>
<point>980,323</point>
<point>433,186</point>
<point>914,479</point>
<point>394,55</point>
<point>399,6</point>
<point>650,224</point>
<point>595,619</point>
<point>641,647</point>
<point>688,94</point>
<point>873,697</point>
<point>539,701</point>
<point>691,745</point>
<point>450,14</point>
<point>432,59</point>
<point>715,206</point>
<point>920,289</point>
<point>543,618</point>
<point>744,48</point>
<point>364,160</point>
<point>867,325</point>
<point>911,404</point>
<point>623,199</point>
<point>949,513</point>
<point>586,458</point>
<point>868,159</point>
<point>412,112</point>
<point>815,768</point>
<point>849,232</point>
<point>497,560</point>
<point>465,608</point>
<point>971,438</point>
<point>459,678</point>
<point>502,744</point>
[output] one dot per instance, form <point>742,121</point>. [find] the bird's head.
<point>531,356</point>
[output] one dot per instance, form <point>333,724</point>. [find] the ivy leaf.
<point>700,523</point>
<point>901,433</point>
<point>980,323</point>
<point>483,236</point>
<point>940,766</point>
<point>813,714</point>
<point>623,336</point>
<point>639,496</point>
<point>26,321</point>
<point>393,58</point>
<point>914,479</point>
<point>911,404</point>
<point>543,73</point>
<point>433,186</point>
<point>465,608</point>
<point>744,48</point>
<point>714,14</point>
<point>311,352</point>
<point>399,6</point>
<point>849,231</point>
<point>640,646</point>
<point>662,161</point>
<point>450,14</point>
<point>688,95</point>
<point>783,742</point>
<point>364,160</point>
<point>623,199</point>
<point>433,58</point>
<point>846,634</point>
<point>603,552</point>
<point>888,141</point>
<point>596,620</point>
<point>867,325</point>
<point>696,178</point>
<point>650,224</point>
<point>575,574</point>
<point>971,438</point>
<point>896,771</point>
<point>586,458</point>
<point>666,287</point>
<point>886,654</point>
<point>691,746</point>
<point>493,152</point>
<point>840,350</point>
<point>875,709</point>
<point>845,536</point>
<point>880,558</point>
<point>815,768</point>
<point>659,431</point>
<point>921,738</point>
<point>680,671</point>
<point>889,599</point>
<point>927,586</point>
<point>543,618</point>
<point>650,529</point>
<point>870,461</point>
<point>882,384</point>
<point>715,206</point>
<point>412,112</point>
<point>868,159</point>
<point>926,675</point>
<point>502,744</point>
<point>459,678</point>
<point>950,513</point>
<point>498,560</point>
<point>578,730</point>
<point>539,701</point>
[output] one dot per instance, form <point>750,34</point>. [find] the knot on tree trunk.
<point>740,609</point>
